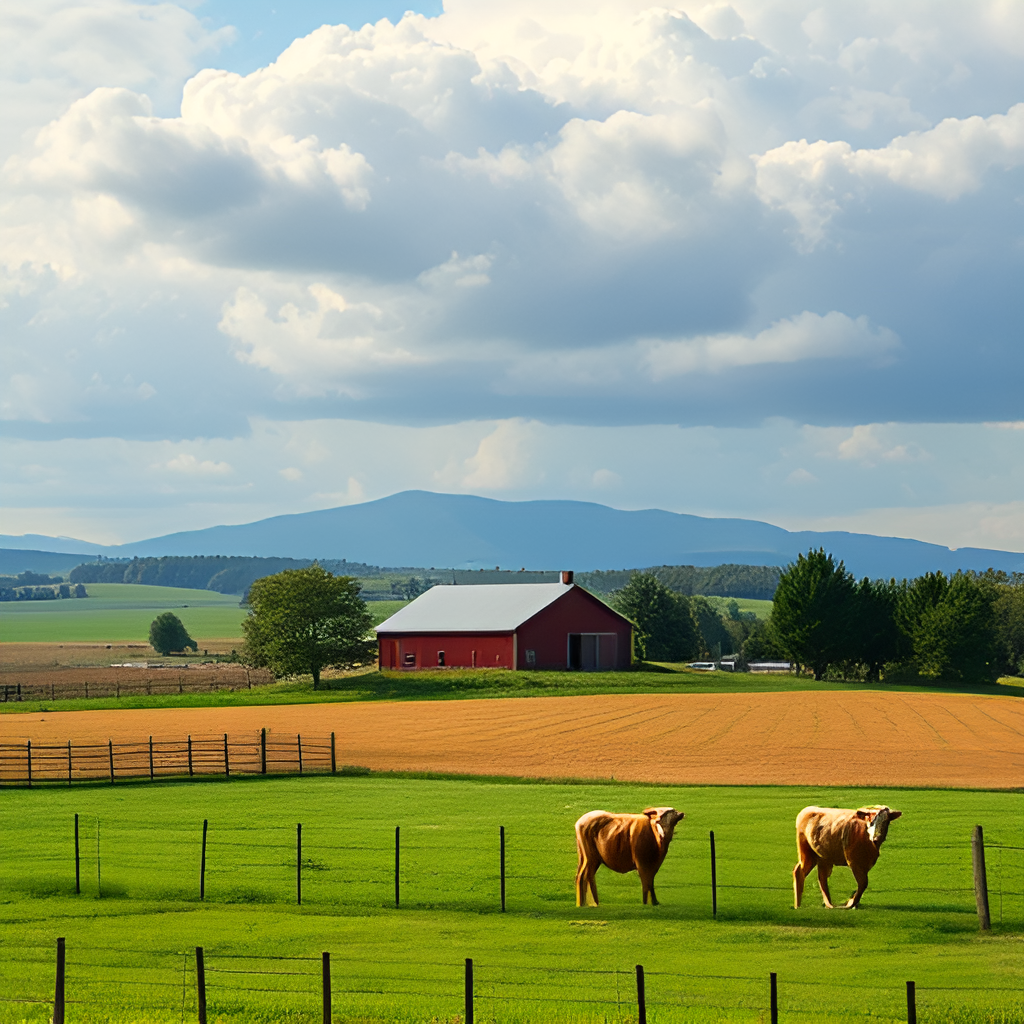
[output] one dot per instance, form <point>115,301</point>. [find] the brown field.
<point>64,671</point>
<point>810,738</point>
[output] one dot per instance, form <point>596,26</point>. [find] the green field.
<point>762,609</point>
<point>122,612</point>
<point>130,952</point>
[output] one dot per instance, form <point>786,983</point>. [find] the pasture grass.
<point>454,684</point>
<point>131,933</point>
<point>123,612</point>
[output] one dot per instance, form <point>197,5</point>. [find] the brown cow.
<point>827,837</point>
<point>625,842</point>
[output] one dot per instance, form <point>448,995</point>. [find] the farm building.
<point>532,625</point>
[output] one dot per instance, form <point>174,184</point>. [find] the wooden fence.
<point>261,753</point>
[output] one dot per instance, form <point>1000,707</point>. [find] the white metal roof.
<point>485,608</point>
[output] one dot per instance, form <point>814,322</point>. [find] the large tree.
<point>167,633</point>
<point>876,640</point>
<point>305,620</point>
<point>950,624</point>
<point>666,630</point>
<point>812,611</point>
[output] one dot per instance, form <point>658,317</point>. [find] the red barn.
<point>517,626</point>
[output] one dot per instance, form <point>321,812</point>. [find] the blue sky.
<point>756,259</point>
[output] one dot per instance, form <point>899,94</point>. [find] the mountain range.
<point>463,531</point>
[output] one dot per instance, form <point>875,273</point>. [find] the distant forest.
<point>752,581</point>
<point>234,575</point>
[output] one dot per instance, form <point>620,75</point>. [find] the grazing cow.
<point>827,837</point>
<point>625,842</point>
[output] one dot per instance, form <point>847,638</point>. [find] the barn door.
<point>574,650</point>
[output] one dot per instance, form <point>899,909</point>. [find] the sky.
<point>759,259</point>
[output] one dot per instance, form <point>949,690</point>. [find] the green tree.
<point>812,611</point>
<point>715,639</point>
<point>305,620</point>
<point>951,626</point>
<point>762,644</point>
<point>665,628</point>
<point>876,640</point>
<point>167,633</point>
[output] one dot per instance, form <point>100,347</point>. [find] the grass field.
<point>122,612</point>
<point>129,952</point>
<point>452,684</point>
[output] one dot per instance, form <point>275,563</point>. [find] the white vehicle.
<point>703,666</point>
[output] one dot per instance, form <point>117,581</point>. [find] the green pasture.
<point>762,609</point>
<point>122,612</point>
<point>482,684</point>
<point>131,933</point>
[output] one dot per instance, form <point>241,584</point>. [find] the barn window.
<point>440,658</point>
<point>531,657</point>
<point>410,660</point>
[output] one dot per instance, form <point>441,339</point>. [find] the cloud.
<point>187,464</point>
<point>548,216</point>
<point>814,181</point>
<point>806,336</point>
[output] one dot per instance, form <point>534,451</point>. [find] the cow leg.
<point>804,866</point>
<point>861,876</point>
<point>592,882</point>
<point>647,885</point>
<point>824,870</point>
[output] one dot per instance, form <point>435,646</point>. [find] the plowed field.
<point>818,738</point>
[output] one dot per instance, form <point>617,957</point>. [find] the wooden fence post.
<point>502,834</point>
<point>397,862</point>
<point>202,865</point>
<point>201,984</point>
<point>911,1003</point>
<point>110,751</point>
<point>980,878</point>
<point>641,996</point>
<point>263,751</point>
<point>69,762</point>
<point>150,758</point>
<point>28,757</point>
<point>190,757</point>
<point>326,986</point>
<point>773,983</point>
<point>469,991</point>
<point>58,988</point>
<point>298,741</point>
<point>714,880</point>
<point>78,862</point>
<point>298,864</point>
<point>227,767</point>
<point>334,759</point>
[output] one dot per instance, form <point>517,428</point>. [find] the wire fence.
<point>197,984</point>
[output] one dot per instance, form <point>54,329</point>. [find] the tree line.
<point>968,627</point>
<point>730,580</point>
<point>34,586</point>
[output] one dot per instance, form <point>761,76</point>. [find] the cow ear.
<point>895,814</point>
<point>864,815</point>
<point>651,812</point>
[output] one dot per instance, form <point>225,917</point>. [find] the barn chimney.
<point>567,577</point>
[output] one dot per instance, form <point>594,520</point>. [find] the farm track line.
<point>805,738</point>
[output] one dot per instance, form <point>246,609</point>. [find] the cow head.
<point>877,817</point>
<point>663,821</point>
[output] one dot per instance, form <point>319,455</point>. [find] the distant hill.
<point>463,531</point>
<point>16,560</point>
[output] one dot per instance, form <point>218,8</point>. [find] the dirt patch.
<point>857,738</point>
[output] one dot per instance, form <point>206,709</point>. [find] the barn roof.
<point>474,609</point>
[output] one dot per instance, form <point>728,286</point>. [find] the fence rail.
<point>263,753</point>
<point>198,983</point>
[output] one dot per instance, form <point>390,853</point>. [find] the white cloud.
<point>187,464</point>
<point>313,349</point>
<point>806,336</point>
<point>813,181</point>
